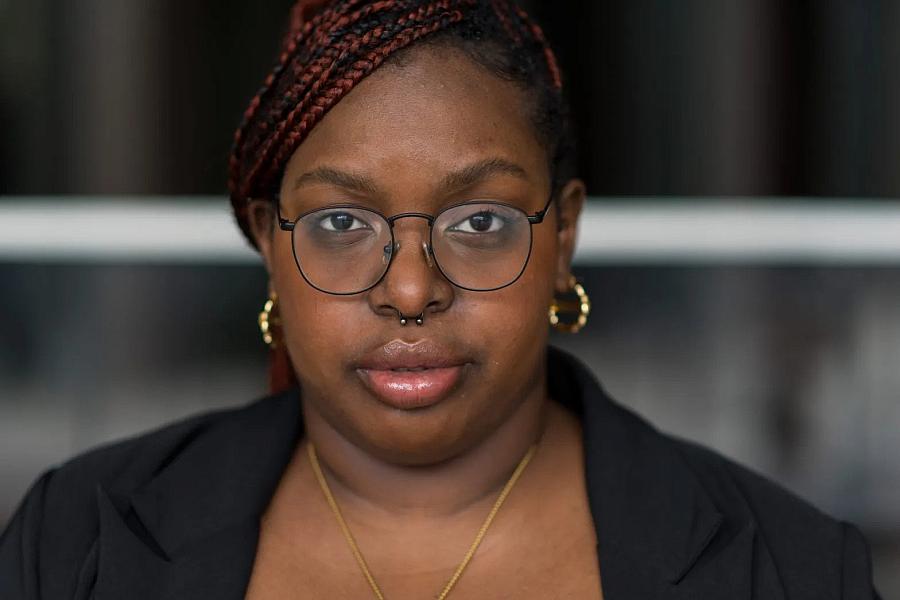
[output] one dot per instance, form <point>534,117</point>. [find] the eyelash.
<point>493,213</point>
<point>327,218</point>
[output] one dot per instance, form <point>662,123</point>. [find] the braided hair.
<point>332,45</point>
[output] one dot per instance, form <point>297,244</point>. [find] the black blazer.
<point>174,514</point>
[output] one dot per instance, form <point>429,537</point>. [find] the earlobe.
<point>571,201</point>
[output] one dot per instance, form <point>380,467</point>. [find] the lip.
<point>408,376</point>
<point>407,390</point>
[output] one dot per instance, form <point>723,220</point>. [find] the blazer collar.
<point>192,530</point>
<point>648,507</point>
<point>649,510</point>
<point>224,475</point>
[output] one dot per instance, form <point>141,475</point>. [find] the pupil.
<point>341,221</point>
<point>481,221</point>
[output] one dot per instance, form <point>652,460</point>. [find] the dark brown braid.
<point>332,45</point>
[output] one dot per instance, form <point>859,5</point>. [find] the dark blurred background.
<point>789,366</point>
<point>741,97</point>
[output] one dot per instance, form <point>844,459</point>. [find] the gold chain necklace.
<point>314,461</point>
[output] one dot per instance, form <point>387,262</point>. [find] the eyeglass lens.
<point>477,246</point>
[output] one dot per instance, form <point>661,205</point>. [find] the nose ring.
<point>420,320</point>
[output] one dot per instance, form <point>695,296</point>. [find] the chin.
<point>421,436</point>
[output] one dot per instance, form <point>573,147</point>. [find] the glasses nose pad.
<point>428,254</point>
<point>388,251</point>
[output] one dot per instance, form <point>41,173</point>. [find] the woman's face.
<point>417,136</point>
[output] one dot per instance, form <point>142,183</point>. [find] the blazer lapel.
<point>128,566</point>
<point>659,531</point>
<point>192,530</point>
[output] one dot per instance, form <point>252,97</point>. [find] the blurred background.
<point>741,248</point>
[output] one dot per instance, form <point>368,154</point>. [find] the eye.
<point>484,221</point>
<point>342,221</point>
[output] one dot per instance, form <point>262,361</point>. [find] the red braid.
<point>549,55</point>
<point>281,372</point>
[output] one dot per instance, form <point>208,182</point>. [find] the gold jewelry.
<point>314,461</point>
<point>268,321</point>
<point>582,307</point>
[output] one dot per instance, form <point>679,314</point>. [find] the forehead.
<point>430,111</point>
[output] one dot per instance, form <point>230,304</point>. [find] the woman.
<point>406,175</point>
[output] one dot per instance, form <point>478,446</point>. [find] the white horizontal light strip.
<point>192,230</point>
<point>765,231</point>
<point>201,230</point>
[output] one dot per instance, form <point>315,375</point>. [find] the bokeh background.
<point>786,361</point>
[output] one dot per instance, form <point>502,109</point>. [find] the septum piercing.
<point>420,320</point>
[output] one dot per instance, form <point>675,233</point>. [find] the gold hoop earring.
<point>582,307</point>
<point>268,321</point>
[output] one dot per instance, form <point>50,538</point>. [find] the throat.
<point>377,489</point>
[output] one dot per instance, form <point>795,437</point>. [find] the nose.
<point>413,285</point>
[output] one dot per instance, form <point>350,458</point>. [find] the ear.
<point>261,219</point>
<point>570,202</point>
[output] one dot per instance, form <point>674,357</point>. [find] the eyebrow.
<point>455,180</point>
<point>338,178</point>
<point>479,171</point>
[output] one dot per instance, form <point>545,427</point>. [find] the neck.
<point>467,479</point>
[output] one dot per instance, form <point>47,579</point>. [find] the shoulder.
<point>734,486</point>
<point>806,546</point>
<point>56,523</point>
<point>683,505</point>
<point>126,464</point>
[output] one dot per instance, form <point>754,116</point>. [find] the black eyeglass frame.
<point>533,219</point>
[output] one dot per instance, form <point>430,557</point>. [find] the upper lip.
<point>399,354</point>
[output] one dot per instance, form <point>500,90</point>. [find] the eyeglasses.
<point>345,249</point>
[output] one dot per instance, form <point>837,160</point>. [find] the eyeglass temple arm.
<point>538,217</point>
<point>282,222</point>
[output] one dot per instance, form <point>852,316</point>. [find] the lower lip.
<point>412,389</point>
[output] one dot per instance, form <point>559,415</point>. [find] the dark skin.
<point>415,485</point>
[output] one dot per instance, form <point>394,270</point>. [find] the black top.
<point>174,514</point>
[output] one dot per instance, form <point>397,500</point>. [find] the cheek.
<point>316,326</point>
<point>513,320</point>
